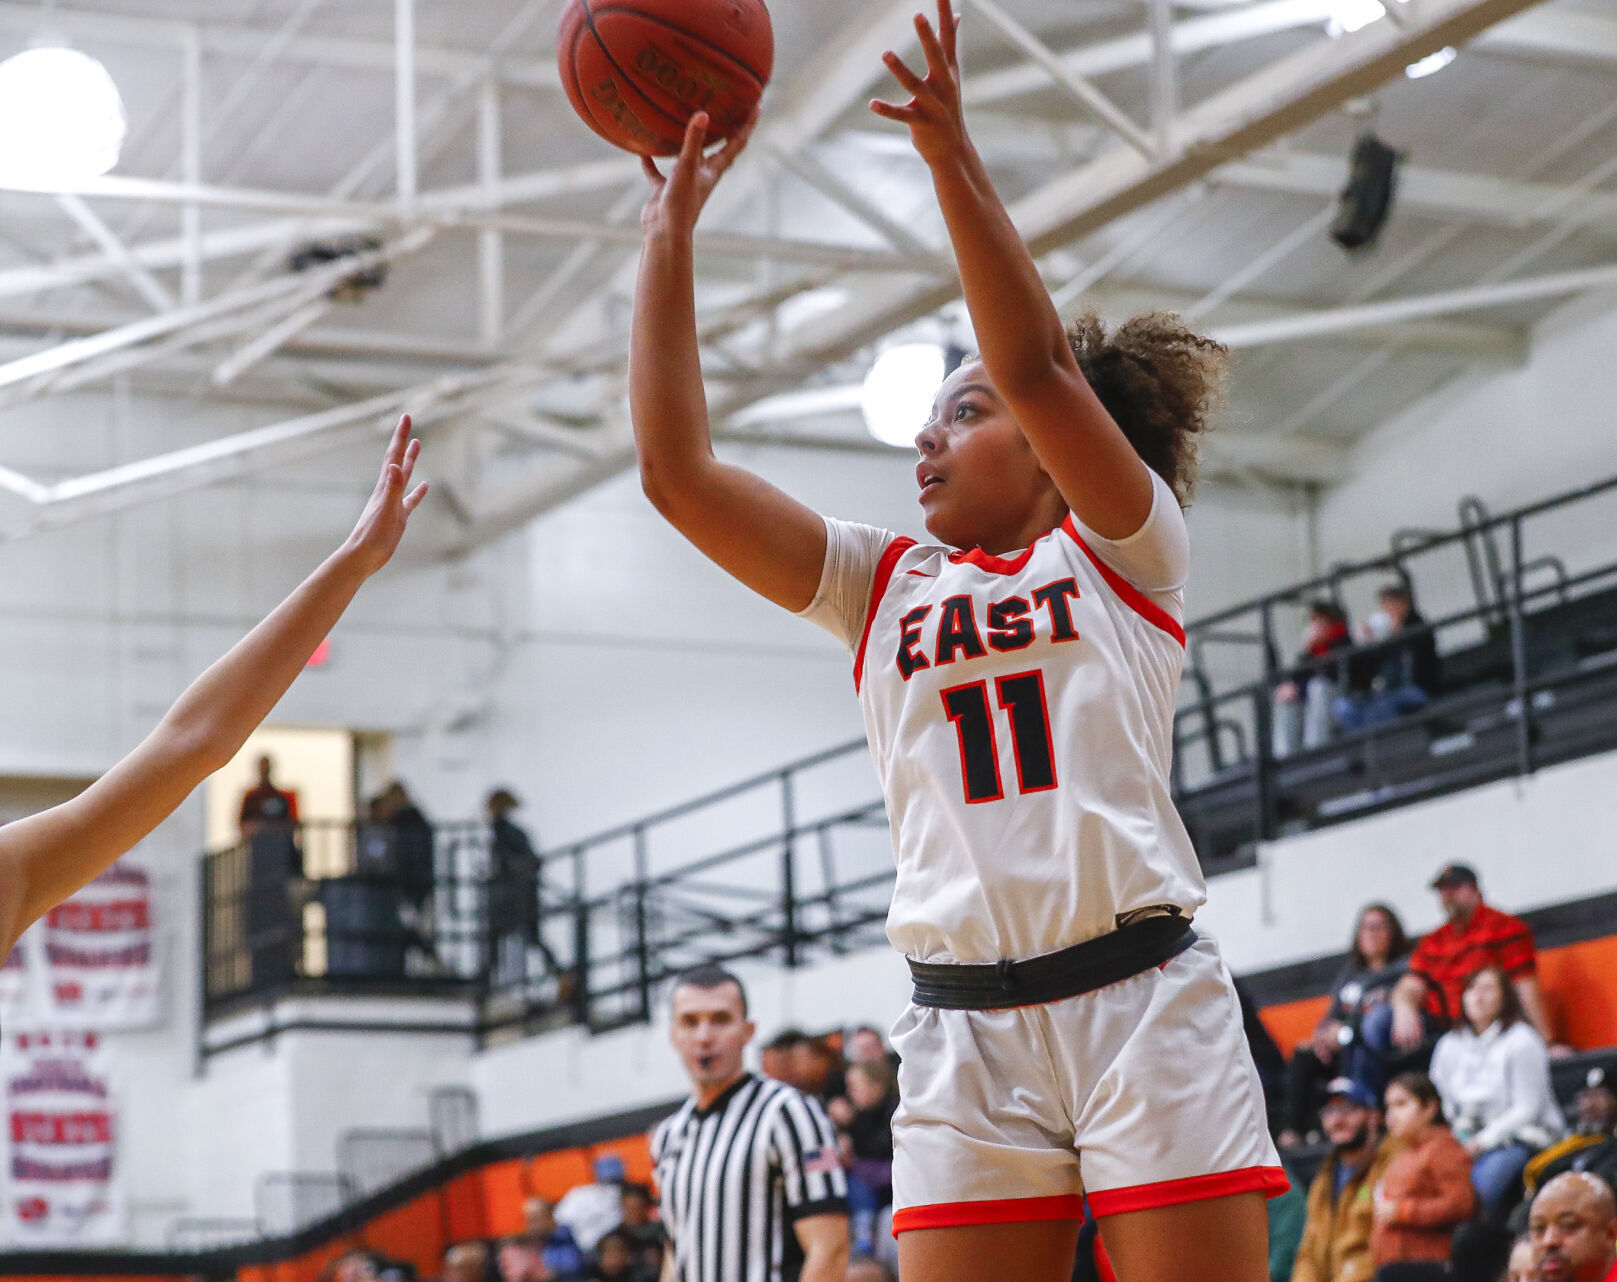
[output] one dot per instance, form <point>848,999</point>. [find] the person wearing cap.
<point>1475,935</point>
<point>1341,1209</point>
<point>593,1210</point>
<point>1593,1145</point>
<point>1573,1226</point>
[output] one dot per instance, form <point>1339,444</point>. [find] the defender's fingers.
<point>413,499</point>
<point>949,30</point>
<point>891,111</point>
<point>937,62</point>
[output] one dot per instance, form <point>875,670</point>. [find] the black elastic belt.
<point>1095,963</point>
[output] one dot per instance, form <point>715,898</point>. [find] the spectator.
<point>1376,962</point>
<point>1522,1267</point>
<point>1336,1238</point>
<point>864,1268</point>
<point>1302,702</point>
<point>867,1043</point>
<point>264,803</point>
<point>640,1225</point>
<point>591,1211</point>
<point>521,1261</point>
<point>778,1059</point>
<point>1573,1225</point>
<point>1475,935</point>
<point>866,1147</point>
<point>551,1242</point>
<point>1592,1148</point>
<point>276,888</point>
<point>817,1069</point>
<point>353,1266</point>
<point>411,847</point>
<point>1494,1076</point>
<point>467,1262</point>
<point>1397,674</point>
<point>1426,1191</point>
<point>513,892</point>
<point>617,1261</point>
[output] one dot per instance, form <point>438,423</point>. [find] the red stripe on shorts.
<point>1269,1180</point>
<point>1010,1210</point>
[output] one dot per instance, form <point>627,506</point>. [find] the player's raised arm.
<point>46,857</point>
<point>763,537</point>
<point>1023,344</point>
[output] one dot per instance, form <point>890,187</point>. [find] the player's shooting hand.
<point>676,200</point>
<point>381,524</point>
<point>934,115</point>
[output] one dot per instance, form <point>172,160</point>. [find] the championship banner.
<point>96,956</point>
<point>60,1142</point>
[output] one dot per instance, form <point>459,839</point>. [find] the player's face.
<point>710,1032</point>
<point>1571,1239</point>
<point>981,484</point>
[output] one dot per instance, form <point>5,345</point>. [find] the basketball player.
<point>1069,1032</point>
<point>46,857</point>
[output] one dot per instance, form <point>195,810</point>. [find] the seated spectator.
<point>777,1060</point>
<point>520,1261</point>
<point>1593,1146</point>
<point>1397,675</point>
<point>467,1262</point>
<point>1522,1267</point>
<point>617,1261</point>
<point>818,1070</point>
<point>866,1147</point>
<point>641,1227</point>
<point>867,1043</point>
<point>591,1211</point>
<point>1302,701</point>
<point>1573,1226</point>
<point>551,1242</point>
<point>1376,962</point>
<point>1493,1074</point>
<point>1426,1191</point>
<point>1336,1237</point>
<point>1475,934</point>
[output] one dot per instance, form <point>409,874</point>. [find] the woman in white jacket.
<point>1493,1073</point>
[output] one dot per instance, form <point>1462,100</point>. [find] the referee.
<point>751,1187</point>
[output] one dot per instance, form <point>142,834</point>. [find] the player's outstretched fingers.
<point>648,167</point>
<point>901,72</point>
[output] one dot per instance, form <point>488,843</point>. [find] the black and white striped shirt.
<point>735,1176</point>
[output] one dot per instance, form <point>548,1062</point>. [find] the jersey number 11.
<point>1021,696</point>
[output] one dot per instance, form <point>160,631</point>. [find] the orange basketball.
<point>638,70</point>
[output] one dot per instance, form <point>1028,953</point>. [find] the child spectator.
<point>1302,702</point>
<point>1493,1074</point>
<point>639,1224</point>
<point>1425,1193</point>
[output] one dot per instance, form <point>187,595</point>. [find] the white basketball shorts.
<point>1140,1094</point>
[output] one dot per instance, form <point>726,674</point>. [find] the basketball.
<point>636,71</point>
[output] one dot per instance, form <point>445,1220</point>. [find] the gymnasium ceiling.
<point>1203,183</point>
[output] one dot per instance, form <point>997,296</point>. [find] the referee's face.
<point>710,1032</point>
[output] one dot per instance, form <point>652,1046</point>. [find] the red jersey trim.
<point>1010,1210</point>
<point>997,564</point>
<point>1130,595</point>
<point>878,589</point>
<point>1268,1180</point>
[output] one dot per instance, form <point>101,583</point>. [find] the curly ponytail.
<point>1159,381</point>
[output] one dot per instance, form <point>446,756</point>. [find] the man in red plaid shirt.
<point>1475,935</point>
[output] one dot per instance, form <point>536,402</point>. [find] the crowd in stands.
<point>1340,683</point>
<point>1428,1083</point>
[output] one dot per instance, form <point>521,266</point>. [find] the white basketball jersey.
<point>1019,712</point>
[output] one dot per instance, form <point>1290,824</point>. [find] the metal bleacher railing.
<point>1523,609</point>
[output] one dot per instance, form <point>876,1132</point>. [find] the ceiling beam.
<point>1565,34</point>
<point>248,42</point>
<point>1443,193</point>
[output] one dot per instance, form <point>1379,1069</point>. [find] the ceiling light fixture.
<point>1348,16</point>
<point>62,120</point>
<point>1432,63</point>
<point>898,392</point>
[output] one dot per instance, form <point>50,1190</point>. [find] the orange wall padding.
<point>1580,984</point>
<point>1291,1023</point>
